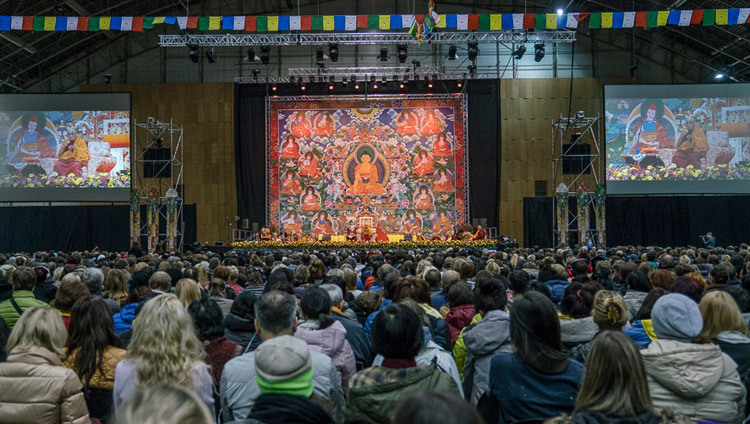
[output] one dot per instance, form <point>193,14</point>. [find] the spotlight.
<point>265,54</point>
<point>402,53</point>
<point>108,79</point>
<point>472,70</point>
<point>719,76</point>
<point>473,51</point>
<point>560,12</point>
<point>274,88</point>
<point>520,51</point>
<point>319,56</point>
<point>193,53</point>
<point>330,87</point>
<point>459,84</point>
<point>211,55</point>
<point>429,84</point>
<point>452,53</point>
<point>356,86</point>
<point>383,56</point>
<point>401,86</point>
<point>538,52</point>
<point>251,57</point>
<point>303,87</point>
<point>256,72</point>
<point>375,86</point>
<point>333,52</point>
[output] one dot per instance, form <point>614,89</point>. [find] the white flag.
<point>182,22</point>
<point>127,23</point>
<point>628,20</point>
<point>239,23</point>
<point>685,16</point>
<point>294,23</point>
<point>71,24</point>
<point>350,23</point>
<point>407,21</point>
<point>743,16</point>
<point>517,21</point>
<point>16,22</point>
<point>572,21</point>
<point>462,21</point>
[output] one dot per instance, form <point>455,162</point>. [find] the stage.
<point>338,244</point>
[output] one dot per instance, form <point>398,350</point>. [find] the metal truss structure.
<point>363,73</point>
<point>318,39</point>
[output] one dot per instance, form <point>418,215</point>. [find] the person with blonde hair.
<point>36,386</point>
<point>203,279</point>
<point>218,292</point>
<point>188,291</point>
<point>116,286</point>
<point>493,268</point>
<point>164,349</point>
<point>164,404</point>
<point>610,313</point>
<point>615,387</point>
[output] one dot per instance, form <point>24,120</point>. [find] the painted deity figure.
<point>366,177</point>
<point>424,164</point>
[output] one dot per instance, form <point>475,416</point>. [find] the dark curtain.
<point>537,221</point>
<point>677,221</point>
<point>484,148</point>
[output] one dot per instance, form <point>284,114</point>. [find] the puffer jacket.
<point>110,359</point>
<point>459,348</point>
<point>458,318</point>
<point>484,339</point>
<point>330,341</point>
<point>697,380</point>
<point>666,417</point>
<point>634,300</point>
<point>556,289</point>
<point>577,331</point>
<point>25,299</point>
<point>642,333</point>
<point>37,388</point>
<point>124,319</point>
<point>241,331</point>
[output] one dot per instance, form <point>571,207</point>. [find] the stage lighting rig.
<point>107,79</point>
<point>333,52</point>
<point>274,87</point>
<point>472,70</point>
<point>211,55</point>
<point>256,72</point>
<point>538,52</point>
<point>265,54</point>
<point>193,53</point>
<point>383,56</point>
<point>519,52</point>
<point>402,53</point>
<point>372,78</point>
<point>251,56</point>
<point>452,52</point>
<point>319,56</point>
<point>472,51</point>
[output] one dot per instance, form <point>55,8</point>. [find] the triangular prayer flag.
<point>652,19</point>
<point>159,20</point>
<point>328,23</point>
<point>662,17</point>
<point>722,16</point>
<point>628,19</point>
<point>339,23</point>
<point>202,23</point>
<point>462,22</point>
<point>182,22</point>
<point>407,21</point>
<point>595,22</point>
<point>283,23</point>
<point>251,23</point>
<point>148,22</point>
<point>685,16</point>
<point>618,19</point>
<point>115,23</point>
<point>733,16</point>
<point>295,23</point>
<point>261,24</point>
<point>16,23</point>
<point>551,21</point>
<point>127,23</point>
<point>709,17</point>
<point>273,23</point>
<point>94,23</point>
<point>138,23</point>
<point>496,22</point>
<point>49,23</point>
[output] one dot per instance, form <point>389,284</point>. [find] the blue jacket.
<point>124,319</point>
<point>556,289</point>
<point>638,334</point>
<point>371,317</point>
<point>439,300</point>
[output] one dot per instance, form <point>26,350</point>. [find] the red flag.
<point>137,23</point>
<point>192,22</point>
<point>28,23</point>
<point>529,20</point>
<point>251,23</point>
<point>473,22</point>
<point>83,24</point>
<point>362,21</point>
<point>697,17</point>
<point>306,23</point>
<point>640,19</point>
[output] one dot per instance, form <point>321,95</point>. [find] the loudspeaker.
<point>245,224</point>
<point>156,158</point>
<point>575,158</point>
<point>255,227</point>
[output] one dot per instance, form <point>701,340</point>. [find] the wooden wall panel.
<point>206,112</point>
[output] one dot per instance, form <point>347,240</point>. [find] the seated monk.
<point>322,226</point>
<point>412,224</point>
<point>310,201</point>
<point>442,181</point>
<point>308,166</point>
<point>691,146</point>
<point>423,164</point>
<point>366,177</point>
<point>442,225</point>
<point>290,149</point>
<point>481,234</point>
<point>73,155</point>
<point>441,146</point>
<point>290,185</point>
<point>423,200</point>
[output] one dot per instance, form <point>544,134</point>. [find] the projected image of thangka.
<point>365,171</point>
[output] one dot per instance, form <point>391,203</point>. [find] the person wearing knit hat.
<point>697,380</point>
<point>284,372</point>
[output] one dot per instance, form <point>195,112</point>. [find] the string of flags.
<point>417,25</point>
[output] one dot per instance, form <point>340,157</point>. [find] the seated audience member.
<point>325,335</point>
<point>284,369</point>
<point>373,392</point>
<point>71,289</point>
<point>615,388</point>
<point>638,288</point>
<point>642,330</point>
<point>217,290</point>
<point>116,287</point>
<point>577,326</point>
<point>164,404</point>
<point>163,334</point>
<point>661,278</point>
<point>537,380</point>
<point>416,289</point>
<point>209,324</point>
<point>93,352</point>
<point>36,386</point>
<point>124,319</point>
<point>93,278</point>
<point>484,338</point>
<point>23,280</point>
<point>44,289</point>
<point>461,310</point>
<point>232,278</point>
<point>696,379</point>
<point>239,325</point>
<point>449,278</point>
<point>275,315</point>
<point>4,334</point>
<point>188,291</point>
<point>556,280</point>
<point>688,286</point>
<point>6,288</point>
<point>355,334</point>
<point>435,407</point>
<point>519,282</point>
<point>160,282</point>
<point>609,313</point>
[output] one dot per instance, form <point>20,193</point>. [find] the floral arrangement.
<point>689,173</point>
<point>101,180</point>
<point>302,244</point>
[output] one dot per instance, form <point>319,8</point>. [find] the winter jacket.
<point>441,335</point>
<point>126,372</point>
<point>459,348</point>
<point>219,350</point>
<point>697,380</point>
<point>634,300</point>
<point>556,289</point>
<point>666,417</point>
<point>241,331</point>
<point>430,352</point>
<point>375,391</point>
<point>239,388</point>
<point>330,341</point>
<point>484,339</point>
<point>371,317</point>
<point>24,299</point>
<point>458,318</point>
<point>224,303</point>
<point>357,339</point>
<point>124,319</point>
<point>45,291</point>
<point>37,388</point>
<point>524,394</point>
<point>737,346</point>
<point>577,331</point>
<point>439,300</point>
<point>642,333</point>
<point>280,408</point>
<point>6,290</point>
<point>104,378</point>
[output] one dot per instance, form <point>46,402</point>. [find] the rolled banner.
<point>562,214</point>
<point>601,215</point>
<point>152,216</point>
<point>583,216</point>
<point>135,217</point>
<point>171,239</point>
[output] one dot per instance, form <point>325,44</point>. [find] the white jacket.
<point>696,380</point>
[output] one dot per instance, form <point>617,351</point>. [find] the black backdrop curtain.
<point>677,221</point>
<point>537,221</point>
<point>484,147</point>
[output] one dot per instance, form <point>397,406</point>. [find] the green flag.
<point>484,22</point>
<point>94,23</point>
<point>262,24</point>
<point>148,22</point>
<point>541,21</point>
<point>39,23</point>
<point>651,18</point>
<point>709,17</point>
<point>595,20</point>
<point>203,23</point>
<point>373,22</point>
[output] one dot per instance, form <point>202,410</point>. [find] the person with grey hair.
<point>93,278</point>
<point>355,334</point>
<point>449,278</point>
<point>275,316</point>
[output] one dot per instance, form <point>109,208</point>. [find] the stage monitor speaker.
<point>156,162</point>
<point>255,227</point>
<point>245,224</point>
<point>575,158</point>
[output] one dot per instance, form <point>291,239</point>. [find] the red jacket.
<point>458,318</point>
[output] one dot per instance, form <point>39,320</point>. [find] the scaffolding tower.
<point>154,134</point>
<point>569,134</point>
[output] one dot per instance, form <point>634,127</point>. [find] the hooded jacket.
<point>598,418</point>
<point>697,380</point>
<point>556,289</point>
<point>330,341</point>
<point>458,318</point>
<point>241,331</point>
<point>577,331</point>
<point>634,300</point>
<point>37,388</point>
<point>484,339</point>
<point>642,333</point>
<point>357,339</point>
<point>124,319</point>
<point>281,408</point>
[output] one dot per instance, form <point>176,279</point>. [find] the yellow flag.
<point>607,20</point>
<point>104,22</point>
<point>328,23</point>
<point>662,17</point>
<point>49,23</point>
<point>273,23</point>
<point>158,20</point>
<point>722,16</point>
<point>214,22</point>
<point>384,22</point>
<point>441,22</point>
<point>551,21</point>
<point>496,22</point>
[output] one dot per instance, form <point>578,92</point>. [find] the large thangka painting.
<point>397,163</point>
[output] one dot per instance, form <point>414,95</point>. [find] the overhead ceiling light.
<point>452,53</point>
<point>333,52</point>
<point>402,53</point>
<point>383,56</point>
<point>211,55</point>
<point>719,76</point>
<point>519,52</point>
<point>560,12</point>
<point>274,88</point>
<point>265,54</point>
<point>472,51</point>
<point>538,52</point>
<point>193,53</point>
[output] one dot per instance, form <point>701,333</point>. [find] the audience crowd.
<point>631,334</point>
